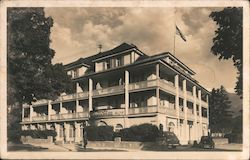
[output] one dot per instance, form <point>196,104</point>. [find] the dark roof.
<point>88,60</point>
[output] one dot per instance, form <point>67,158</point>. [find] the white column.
<point>186,127</point>
<point>200,118</point>
<point>207,96</point>
<point>195,115</point>
<point>126,97</point>
<point>176,83</point>
<point>49,109</point>
<point>77,132</point>
<point>57,128</point>
<point>31,112</point>
<point>90,94</point>
<point>158,89</point>
<point>66,126</point>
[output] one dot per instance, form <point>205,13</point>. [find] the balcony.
<point>83,95</point>
<point>190,114</point>
<point>166,85</point>
<point>142,110</point>
<point>40,118</point>
<point>108,91</point>
<point>70,116</point>
<point>108,112</point>
<point>168,111</point>
<point>190,96</point>
<point>181,113</point>
<point>143,85</point>
<point>26,119</point>
<point>203,103</point>
<point>204,119</point>
<point>40,102</point>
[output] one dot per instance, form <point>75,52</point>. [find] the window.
<point>204,112</point>
<point>119,61</point>
<point>197,110</point>
<point>108,64</point>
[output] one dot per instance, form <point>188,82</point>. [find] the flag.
<point>178,32</point>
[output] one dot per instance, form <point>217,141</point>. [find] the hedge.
<point>100,133</point>
<point>143,133</point>
<point>39,133</point>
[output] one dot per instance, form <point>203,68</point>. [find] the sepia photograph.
<point>126,79</point>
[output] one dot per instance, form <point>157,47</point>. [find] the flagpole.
<point>174,29</point>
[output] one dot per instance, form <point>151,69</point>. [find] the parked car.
<point>207,142</point>
<point>169,139</point>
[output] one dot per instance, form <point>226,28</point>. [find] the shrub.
<point>143,133</point>
<point>100,133</point>
<point>39,133</point>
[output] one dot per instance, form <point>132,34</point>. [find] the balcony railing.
<point>168,111</point>
<point>142,110</point>
<point>181,113</point>
<point>83,94</point>
<point>169,86</point>
<point>190,96</point>
<point>108,112</point>
<point>70,116</point>
<point>143,84</point>
<point>26,119</point>
<point>204,119</point>
<point>40,102</point>
<point>109,90</point>
<point>203,103</point>
<point>40,118</point>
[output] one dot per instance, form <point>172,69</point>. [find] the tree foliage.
<point>227,43</point>
<point>220,116</point>
<point>31,74</point>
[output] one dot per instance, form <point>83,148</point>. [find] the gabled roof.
<point>88,60</point>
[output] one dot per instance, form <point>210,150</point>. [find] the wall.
<point>220,141</point>
<point>28,139</point>
<point>118,144</point>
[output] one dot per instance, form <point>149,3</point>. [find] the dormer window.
<point>75,73</point>
<point>119,61</point>
<point>108,64</point>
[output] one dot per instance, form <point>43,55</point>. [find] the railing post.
<point>22,112</point>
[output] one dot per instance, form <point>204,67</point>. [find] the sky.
<point>77,32</point>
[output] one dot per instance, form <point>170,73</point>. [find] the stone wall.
<point>220,141</point>
<point>29,139</point>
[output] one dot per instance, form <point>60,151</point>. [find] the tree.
<point>220,116</point>
<point>31,75</point>
<point>227,43</point>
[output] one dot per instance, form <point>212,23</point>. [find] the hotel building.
<point>122,87</point>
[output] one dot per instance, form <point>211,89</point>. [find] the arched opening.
<point>118,127</point>
<point>171,127</point>
<point>102,123</point>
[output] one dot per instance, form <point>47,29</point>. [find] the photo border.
<point>121,155</point>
